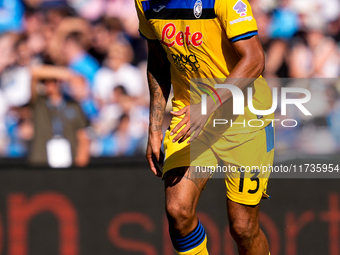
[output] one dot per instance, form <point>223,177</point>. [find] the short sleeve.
<point>236,18</point>
<point>145,28</point>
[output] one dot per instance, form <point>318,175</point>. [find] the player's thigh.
<point>198,153</point>
<point>183,187</point>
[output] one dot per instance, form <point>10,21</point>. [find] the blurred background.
<point>76,69</point>
<point>73,84</point>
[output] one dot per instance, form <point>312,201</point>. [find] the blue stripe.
<point>194,239</point>
<point>270,137</point>
<point>177,4</point>
<point>239,37</point>
<point>193,244</point>
<point>191,239</point>
<point>146,5</point>
<point>197,229</point>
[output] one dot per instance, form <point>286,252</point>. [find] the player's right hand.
<point>154,154</point>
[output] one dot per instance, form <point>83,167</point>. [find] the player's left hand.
<point>193,125</point>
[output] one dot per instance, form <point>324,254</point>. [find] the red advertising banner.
<point>120,210</point>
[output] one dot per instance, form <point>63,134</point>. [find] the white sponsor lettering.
<point>249,18</point>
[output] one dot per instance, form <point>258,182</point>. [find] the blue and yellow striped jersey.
<point>197,36</point>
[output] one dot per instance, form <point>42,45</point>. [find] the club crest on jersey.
<point>198,8</point>
<point>240,8</point>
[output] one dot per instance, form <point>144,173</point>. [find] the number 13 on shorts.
<point>247,186</point>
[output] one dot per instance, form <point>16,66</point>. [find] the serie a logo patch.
<point>240,8</point>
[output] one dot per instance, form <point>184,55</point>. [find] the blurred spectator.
<point>77,58</point>
<point>56,15</point>
<point>8,54</point>
<point>20,131</point>
<point>89,9</point>
<point>34,40</point>
<point>79,90</point>
<point>333,117</point>
<point>105,32</point>
<point>111,112</point>
<point>125,11</point>
<point>316,12</point>
<point>32,4</point>
<point>3,132</point>
<point>315,55</point>
<point>118,70</point>
<point>284,15</point>
<point>16,78</point>
<point>120,142</point>
<point>57,120</point>
<point>121,104</point>
<point>11,14</point>
<point>58,33</point>
<point>276,64</point>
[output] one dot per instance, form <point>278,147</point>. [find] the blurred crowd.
<point>74,70</point>
<point>301,39</point>
<point>80,65</point>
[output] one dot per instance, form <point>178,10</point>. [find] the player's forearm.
<point>159,84</point>
<point>157,104</point>
<point>243,76</point>
<point>249,68</point>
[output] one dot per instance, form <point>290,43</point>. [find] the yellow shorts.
<point>243,160</point>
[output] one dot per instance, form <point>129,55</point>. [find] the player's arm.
<point>250,66</point>
<point>158,74</point>
<point>252,60</point>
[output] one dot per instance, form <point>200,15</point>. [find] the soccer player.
<point>206,39</point>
